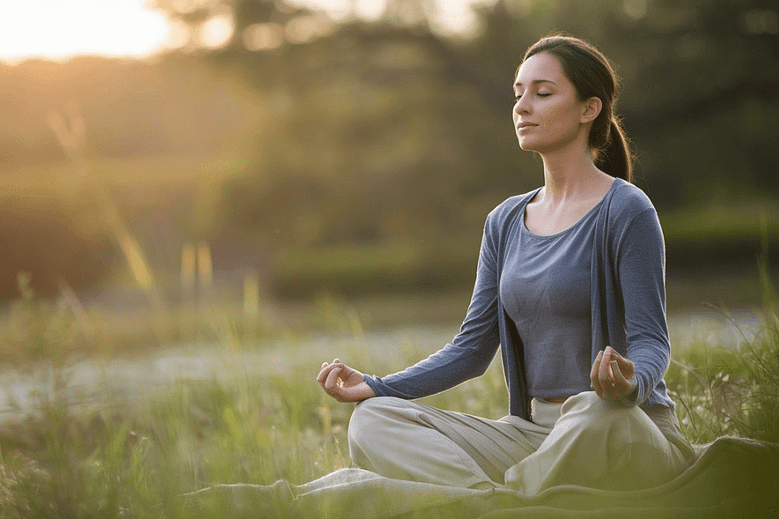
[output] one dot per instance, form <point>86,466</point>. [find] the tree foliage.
<point>380,130</point>
<point>387,132</point>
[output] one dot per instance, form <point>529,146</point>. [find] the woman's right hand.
<point>343,383</point>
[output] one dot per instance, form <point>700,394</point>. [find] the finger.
<point>346,372</point>
<point>323,374</point>
<point>619,378</point>
<point>626,366</point>
<point>627,383</point>
<point>607,381</point>
<point>332,380</point>
<point>594,374</point>
<point>615,356</point>
<point>595,365</point>
<point>603,375</point>
<point>610,371</point>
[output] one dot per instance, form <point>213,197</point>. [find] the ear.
<point>592,108</point>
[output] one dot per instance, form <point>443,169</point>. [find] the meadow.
<point>338,166</point>
<point>133,455</point>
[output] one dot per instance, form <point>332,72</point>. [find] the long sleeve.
<point>640,265</point>
<point>472,349</point>
<point>628,293</point>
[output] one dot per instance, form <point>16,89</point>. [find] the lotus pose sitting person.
<point>571,287</point>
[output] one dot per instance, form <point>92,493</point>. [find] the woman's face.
<point>548,115</point>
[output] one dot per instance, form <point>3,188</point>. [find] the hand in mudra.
<point>612,375</point>
<point>343,383</point>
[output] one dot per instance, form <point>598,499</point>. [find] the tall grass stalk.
<point>69,129</point>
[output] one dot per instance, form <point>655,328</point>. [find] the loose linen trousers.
<point>586,441</point>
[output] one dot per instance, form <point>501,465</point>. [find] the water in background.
<point>96,382</point>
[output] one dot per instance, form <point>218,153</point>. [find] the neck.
<point>568,173</point>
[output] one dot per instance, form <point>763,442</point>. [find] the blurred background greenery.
<point>293,150</point>
<point>284,181</point>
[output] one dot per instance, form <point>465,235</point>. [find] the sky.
<point>59,29</point>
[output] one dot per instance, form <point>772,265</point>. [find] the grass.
<point>135,457</point>
<point>724,391</point>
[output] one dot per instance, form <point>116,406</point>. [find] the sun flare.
<point>59,29</point>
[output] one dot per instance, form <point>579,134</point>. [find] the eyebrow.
<point>536,81</point>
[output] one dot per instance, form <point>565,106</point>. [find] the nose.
<point>522,105</point>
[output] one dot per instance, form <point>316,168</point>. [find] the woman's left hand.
<point>612,375</point>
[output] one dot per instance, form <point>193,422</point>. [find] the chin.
<point>527,146</point>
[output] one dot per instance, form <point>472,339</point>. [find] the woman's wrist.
<point>363,391</point>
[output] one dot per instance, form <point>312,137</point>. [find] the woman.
<point>570,285</point>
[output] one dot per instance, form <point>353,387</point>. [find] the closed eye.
<point>517,97</point>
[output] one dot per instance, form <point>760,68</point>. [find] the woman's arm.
<point>467,356</point>
<point>640,265</point>
<point>472,349</point>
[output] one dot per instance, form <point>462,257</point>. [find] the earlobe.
<point>592,108</point>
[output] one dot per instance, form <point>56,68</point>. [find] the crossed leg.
<point>595,443</point>
<point>408,440</point>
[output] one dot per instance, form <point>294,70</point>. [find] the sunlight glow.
<point>217,31</point>
<point>457,18</point>
<point>305,28</point>
<point>58,29</point>
<point>263,36</point>
<point>636,9</point>
<point>448,17</point>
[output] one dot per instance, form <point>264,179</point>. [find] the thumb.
<point>625,365</point>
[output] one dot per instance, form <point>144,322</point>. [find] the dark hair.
<point>593,76</point>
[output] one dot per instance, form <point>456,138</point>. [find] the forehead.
<point>540,67</point>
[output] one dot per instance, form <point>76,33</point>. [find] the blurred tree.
<point>700,88</point>
<point>389,132</point>
<point>368,141</point>
<point>52,241</point>
<point>239,16</point>
<point>366,133</point>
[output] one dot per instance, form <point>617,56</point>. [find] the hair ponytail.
<point>616,158</point>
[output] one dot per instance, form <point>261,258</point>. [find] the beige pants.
<point>586,441</point>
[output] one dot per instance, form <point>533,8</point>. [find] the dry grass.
<point>135,457</point>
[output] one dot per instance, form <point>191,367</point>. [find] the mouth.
<point>522,126</point>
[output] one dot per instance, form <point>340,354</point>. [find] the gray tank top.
<point>545,290</point>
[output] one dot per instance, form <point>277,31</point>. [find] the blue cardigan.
<point>628,307</point>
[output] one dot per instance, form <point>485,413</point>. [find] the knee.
<point>365,423</point>
<point>593,413</point>
<point>589,402</point>
<point>366,426</point>
<point>585,402</point>
<point>361,419</point>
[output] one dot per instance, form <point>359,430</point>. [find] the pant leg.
<point>408,440</point>
<point>602,444</point>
